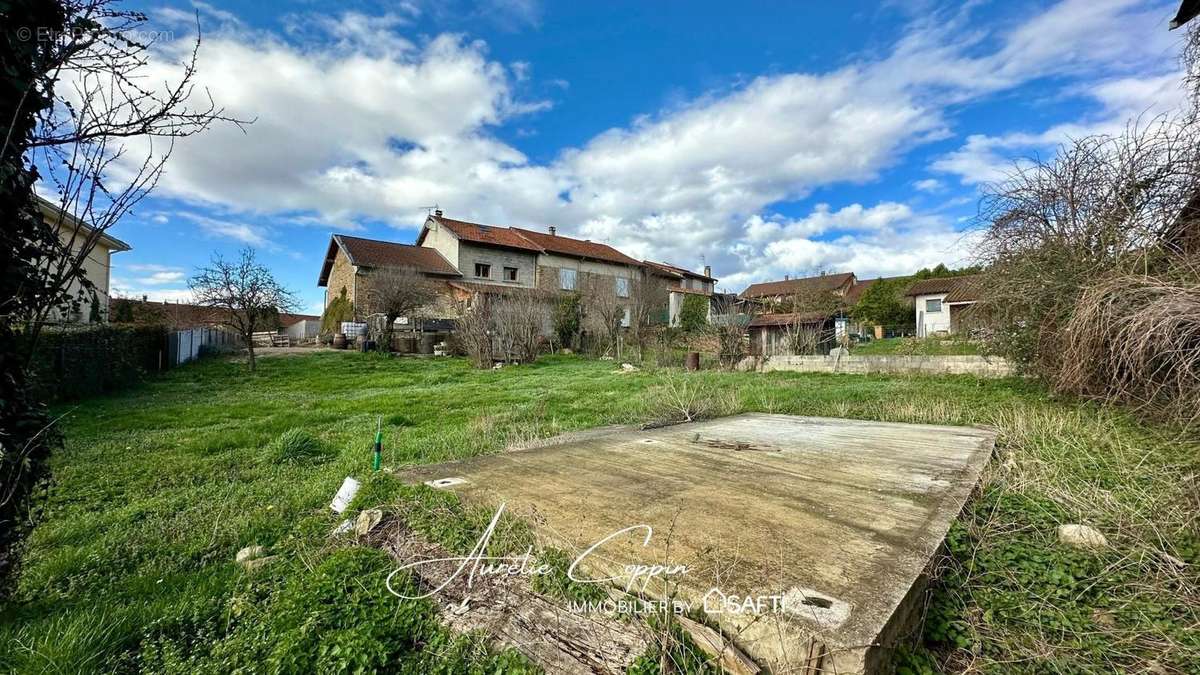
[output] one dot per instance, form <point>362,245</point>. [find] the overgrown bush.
<point>568,313</point>
<point>693,314</point>
<point>338,310</point>
<point>1089,282</point>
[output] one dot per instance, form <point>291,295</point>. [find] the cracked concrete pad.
<point>802,536</point>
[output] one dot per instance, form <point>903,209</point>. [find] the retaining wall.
<point>982,366</point>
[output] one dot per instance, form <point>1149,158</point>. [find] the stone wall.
<point>341,275</point>
<point>982,366</point>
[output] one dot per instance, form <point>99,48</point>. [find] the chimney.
<point>145,297</point>
<point>787,277</point>
<point>437,212</point>
<point>708,270</point>
<point>553,230</point>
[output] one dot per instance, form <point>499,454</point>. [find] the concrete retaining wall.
<point>982,366</point>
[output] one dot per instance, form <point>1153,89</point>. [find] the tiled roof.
<point>530,240</point>
<point>957,289</point>
<point>786,319</point>
<point>675,271</point>
<point>507,237</point>
<point>576,248</point>
<point>824,282</point>
<point>375,253</point>
<point>287,318</point>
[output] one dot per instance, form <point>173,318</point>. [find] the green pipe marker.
<point>377,462</point>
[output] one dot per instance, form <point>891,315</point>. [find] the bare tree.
<point>244,294</point>
<point>399,292</point>
<point>603,312</point>
<point>473,329</point>
<point>806,311</point>
<point>649,301</point>
<point>520,318</point>
<point>102,141</point>
<point>730,321</point>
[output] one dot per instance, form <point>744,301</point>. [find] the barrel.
<point>339,340</point>
<point>692,362</point>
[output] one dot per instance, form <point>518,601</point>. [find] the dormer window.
<point>482,270</point>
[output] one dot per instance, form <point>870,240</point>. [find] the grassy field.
<point>912,346</point>
<point>132,568</point>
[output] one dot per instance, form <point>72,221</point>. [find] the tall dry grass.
<point>1135,339</point>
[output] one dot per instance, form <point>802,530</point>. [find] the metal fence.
<point>185,345</point>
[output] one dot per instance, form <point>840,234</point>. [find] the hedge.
<point>76,362</point>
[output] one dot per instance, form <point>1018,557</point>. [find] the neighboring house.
<point>770,330</point>
<point>350,262</point>
<point>681,283</point>
<point>491,258</point>
<point>97,267</point>
<point>299,327</point>
<point>473,258</point>
<point>770,293</point>
<point>774,333</point>
<point>940,304</point>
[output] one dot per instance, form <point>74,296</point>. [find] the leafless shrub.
<point>686,398</point>
<point>603,313</point>
<point>729,323</point>
<point>520,320</point>
<point>1104,204</point>
<point>1136,339</point>
<point>473,330</point>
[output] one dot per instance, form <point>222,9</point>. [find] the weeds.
<point>158,488</point>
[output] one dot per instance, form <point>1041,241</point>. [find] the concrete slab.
<point>800,535</point>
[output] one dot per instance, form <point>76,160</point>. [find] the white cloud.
<point>155,275</point>
<point>986,158</point>
<point>928,185</point>
<point>364,122</point>
<point>131,288</point>
<point>247,234</point>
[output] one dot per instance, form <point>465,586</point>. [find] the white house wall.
<point>929,323</point>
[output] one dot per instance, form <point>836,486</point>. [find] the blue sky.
<point>761,138</point>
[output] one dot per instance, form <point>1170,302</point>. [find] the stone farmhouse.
<point>471,258</point>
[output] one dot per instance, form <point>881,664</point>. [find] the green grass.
<point>932,346</point>
<point>157,488</point>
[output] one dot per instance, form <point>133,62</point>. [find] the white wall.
<point>442,239</point>
<point>96,267</point>
<point>929,323</point>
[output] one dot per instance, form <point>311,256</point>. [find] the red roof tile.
<point>576,248</point>
<point>507,237</point>
<point>786,319</point>
<point>957,289</point>
<point>375,253</point>
<point>824,282</point>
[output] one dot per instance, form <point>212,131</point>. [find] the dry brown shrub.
<point>1135,339</point>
